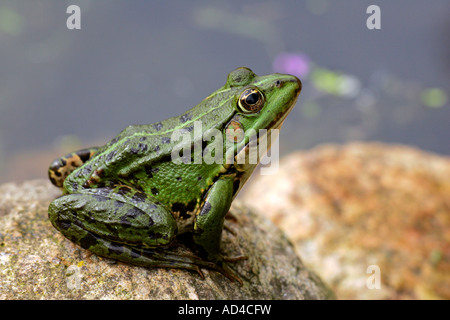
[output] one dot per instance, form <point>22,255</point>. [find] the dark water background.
<point>137,62</point>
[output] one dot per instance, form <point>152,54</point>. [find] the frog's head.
<point>260,102</point>
<point>263,102</point>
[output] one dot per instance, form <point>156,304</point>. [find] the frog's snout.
<point>291,82</point>
<point>297,84</point>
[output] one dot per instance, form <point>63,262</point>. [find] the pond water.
<point>135,62</point>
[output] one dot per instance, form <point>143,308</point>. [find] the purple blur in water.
<point>296,64</point>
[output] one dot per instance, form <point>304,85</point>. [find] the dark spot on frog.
<point>184,209</point>
<point>57,173</point>
<point>113,141</point>
<point>150,171</point>
<point>205,209</point>
<point>135,254</point>
<point>63,224</point>
<point>155,191</point>
<point>53,181</point>
<point>114,248</point>
<point>74,186</point>
<point>84,154</point>
<point>99,172</point>
<point>111,228</point>
<point>179,178</point>
<point>139,197</point>
<point>101,184</point>
<point>118,204</point>
<point>131,215</point>
<point>165,140</point>
<point>134,151</point>
<point>158,126</point>
<point>88,241</point>
<point>142,138</point>
<point>189,129</point>
<point>199,178</point>
<point>236,184</point>
<point>185,117</point>
<point>87,169</point>
<point>142,146</point>
<point>156,235</point>
<point>110,156</point>
<point>89,218</point>
<point>123,190</point>
<point>73,164</point>
<point>156,149</point>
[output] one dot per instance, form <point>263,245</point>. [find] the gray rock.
<point>37,262</point>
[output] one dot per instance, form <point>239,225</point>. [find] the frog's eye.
<point>251,100</point>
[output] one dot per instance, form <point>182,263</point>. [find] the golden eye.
<point>251,100</point>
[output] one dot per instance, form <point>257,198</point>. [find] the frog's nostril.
<point>278,83</point>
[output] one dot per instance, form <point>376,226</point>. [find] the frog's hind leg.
<point>117,222</point>
<point>60,168</point>
<point>145,257</point>
<point>120,214</point>
<point>124,224</point>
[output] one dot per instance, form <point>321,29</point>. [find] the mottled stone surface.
<point>37,262</point>
<point>350,207</point>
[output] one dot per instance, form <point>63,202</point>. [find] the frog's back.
<point>139,148</point>
<point>142,144</point>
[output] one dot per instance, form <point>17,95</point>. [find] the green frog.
<point>128,200</point>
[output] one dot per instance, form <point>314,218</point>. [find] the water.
<point>137,62</point>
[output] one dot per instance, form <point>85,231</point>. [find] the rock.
<point>350,207</point>
<point>37,262</point>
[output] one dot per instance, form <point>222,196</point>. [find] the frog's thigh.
<point>83,217</point>
<point>60,168</point>
<point>209,222</point>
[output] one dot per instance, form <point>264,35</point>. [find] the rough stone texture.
<point>37,262</point>
<point>352,206</point>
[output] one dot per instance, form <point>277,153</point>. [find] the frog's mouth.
<point>262,140</point>
<point>277,123</point>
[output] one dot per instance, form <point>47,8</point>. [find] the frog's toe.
<point>235,259</point>
<point>224,269</point>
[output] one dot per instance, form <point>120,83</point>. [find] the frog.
<point>128,200</point>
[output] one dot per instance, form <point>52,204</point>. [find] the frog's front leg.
<point>121,223</point>
<point>209,223</point>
